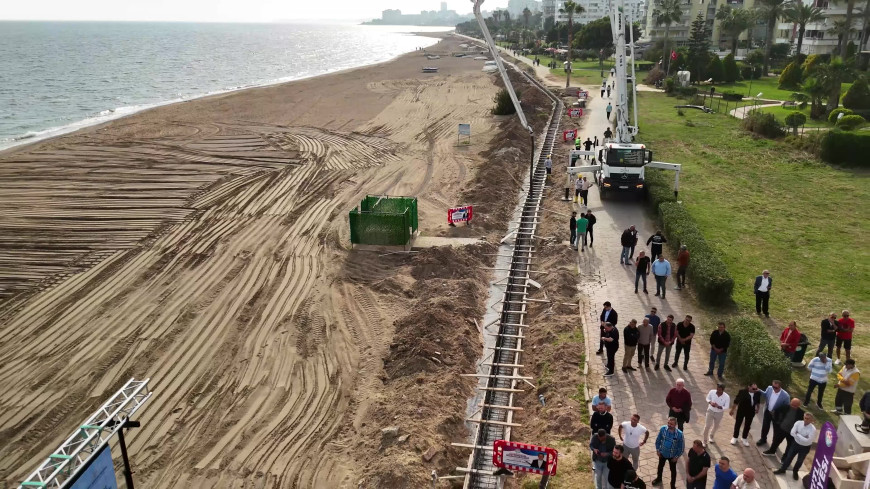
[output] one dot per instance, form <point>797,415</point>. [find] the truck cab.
<point>622,167</point>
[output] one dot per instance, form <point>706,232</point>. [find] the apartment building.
<point>818,39</point>
<point>680,31</point>
<point>596,9</point>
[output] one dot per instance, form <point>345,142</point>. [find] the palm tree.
<point>847,24</point>
<point>496,16</point>
<point>771,11</point>
<point>816,91</point>
<point>667,12</point>
<point>801,14</point>
<point>733,21</point>
<point>840,28</point>
<point>832,76</point>
<point>527,14</point>
<point>570,8</point>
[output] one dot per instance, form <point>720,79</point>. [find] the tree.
<point>795,120</point>
<point>729,66</point>
<point>799,13</point>
<point>790,78</point>
<point>569,8</point>
<point>812,62</point>
<point>733,21</point>
<point>667,12</point>
<point>846,27</point>
<point>858,95</point>
<point>715,70</point>
<point>841,29</point>
<point>832,76</point>
<point>770,11</point>
<point>699,48</point>
<point>816,91</point>
<point>527,14</point>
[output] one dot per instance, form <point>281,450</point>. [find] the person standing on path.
<point>603,88</point>
<point>746,480</point>
<point>643,267</point>
<point>775,396</point>
<point>723,474</point>
<point>682,266</point>
<point>645,338</point>
<point>630,335</point>
<point>819,367</point>
<point>630,433</point>
<point>595,142</point>
<point>628,238</point>
<point>608,134</point>
<point>590,217</point>
<point>608,92</point>
<point>670,445</point>
<point>601,419</point>
<point>666,337</point>
<point>720,340</point>
<point>617,467</point>
<point>783,420</point>
<point>587,145</point>
<point>679,402</point>
<point>661,270</point>
<point>803,432</point>
<point>584,191</point>
<point>602,446</point>
<point>609,109</point>
<point>654,321</point>
<point>548,164</point>
<point>572,226</point>
<point>746,404</point>
<point>847,383</point>
<point>611,345</point>
<point>789,339</point>
<point>844,335</point>
<point>717,402</point>
<point>828,335</point>
<point>582,224</point>
<point>697,465</point>
<point>685,333</point>
<point>602,398</point>
<point>578,186</point>
<point>763,284</point>
<point>655,243</point>
<point>608,315</point>
<point>864,406</point>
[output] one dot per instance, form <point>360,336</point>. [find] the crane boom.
<point>624,132</point>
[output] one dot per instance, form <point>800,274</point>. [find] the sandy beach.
<point>205,245</point>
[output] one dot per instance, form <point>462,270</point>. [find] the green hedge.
<point>732,96</point>
<point>846,148</point>
<point>755,356</point>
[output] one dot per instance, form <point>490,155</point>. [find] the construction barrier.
<point>384,220</point>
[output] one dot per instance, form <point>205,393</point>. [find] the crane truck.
<point>621,165</point>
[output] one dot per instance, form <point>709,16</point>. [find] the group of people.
<point>655,263</point>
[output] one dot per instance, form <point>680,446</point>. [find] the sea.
<point>56,77</point>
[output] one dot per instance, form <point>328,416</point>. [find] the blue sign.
<point>99,474</point>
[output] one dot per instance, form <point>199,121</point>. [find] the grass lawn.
<point>768,86</point>
<point>782,112</point>
<point>579,76</point>
<point>763,204</point>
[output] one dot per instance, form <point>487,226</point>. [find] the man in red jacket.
<point>682,266</point>
<point>679,401</point>
<point>789,339</point>
<point>844,336</point>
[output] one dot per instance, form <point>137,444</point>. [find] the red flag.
<point>673,55</point>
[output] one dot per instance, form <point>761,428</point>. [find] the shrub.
<point>850,122</point>
<point>503,103</point>
<point>754,356</point>
<point>729,66</point>
<point>670,85</point>
<point>655,75</point>
<point>790,78</point>
<point>835,114</point>
<point>715,69</point>
<point>708,274</point>
<point>845,148</point>
<point>763,124</point>
<point>686,91</point>
<point>680,112</point>
<point>732,96</point>
<point>747,72</point>
<point>795,120</point>
<point>858,95</point>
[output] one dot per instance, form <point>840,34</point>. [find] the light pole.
<point>751,75</point>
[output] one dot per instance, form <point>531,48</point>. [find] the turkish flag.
<point>673,55</point>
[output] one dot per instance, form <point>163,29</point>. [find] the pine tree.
<point>699,48</point>
<point>715,71</point>
<point>729,66</point>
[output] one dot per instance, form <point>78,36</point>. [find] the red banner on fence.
<point>575,112</point>
<point>569,135</point>
<point>523,457</point>
<point>459,214</point>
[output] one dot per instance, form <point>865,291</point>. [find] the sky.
<point>224,10</point>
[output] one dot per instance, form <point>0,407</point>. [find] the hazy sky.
<point>223,10</point>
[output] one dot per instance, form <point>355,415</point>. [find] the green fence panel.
<point>383,220</point>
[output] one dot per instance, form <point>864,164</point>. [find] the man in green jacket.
<point>582,224</point>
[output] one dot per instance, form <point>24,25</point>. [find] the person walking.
<point>746,405</point>
<point>819,367</point>
<point>643,265</point>
<point>763,284</point>
<point>601,419</point>
<point>645,338</point>
<point>608,315</point>
<point>682,266</point>
<point>666,337</point>
<point>654,321</point>
<point>548,164</point>
<point>783,420</point>
<point>602,446</point>
<point>609,109</point>
<point>746,480</point>
<point>589,217</point>
<point>617,467</point>
<point>844,335</point>
<point>828,335</point>
<point>582,225</point>
<point>611,345</point>
<point>655,243</point>
<point>685,333</point>
<point>630,335</point>
<point>608,134</point>
<point>628,238</point>
<point>720,340</point>
<point>630,434</point>
<point>584,191</point>
<point>775,397</point>
<point>670,445</point>
<point>717,402</point>
<point>572,226</point>
<point>847,383</point>
<point>803,432</point>
<point>723,474</point>
<point>789,339</point>
<point>595,142</point>
<point>608,92</point>
<point>587,145</point>
<point>697,465</point>
<point>603,88</point>
<point>661,270</point>
<point>679,402</point>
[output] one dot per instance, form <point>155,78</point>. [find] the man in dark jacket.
<point>864,404</point>
<point>602,446</point>
<point>628,240</point>
<point>572,226</point>
<point>763,284</point>
<point>630,335</point>
<point>617,467</point>
<point>720,340</point>
<point>685,333</point>
<point>746,405</point>
<point>611,345</point>
<point>608,315</point>
<point>655,243</point>
<point>679,402</point>
<point>601,419</point>
<point>828,335</point>
<point>784,418</point>
<point>592,220</point>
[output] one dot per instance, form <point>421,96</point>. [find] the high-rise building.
<point>679,32</point>
<point>596,9</point>
<point>817,38</point>
<point>444,6</point>
<point>549,9</point>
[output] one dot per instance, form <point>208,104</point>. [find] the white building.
<point>817,39</point>
<point>596,9</point>
<point>516,7</point>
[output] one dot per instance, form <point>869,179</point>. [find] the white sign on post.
<point>465,129</point>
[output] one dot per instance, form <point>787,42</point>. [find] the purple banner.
<point>824,455</point>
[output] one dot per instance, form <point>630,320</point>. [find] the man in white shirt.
<point>746,480</point>
<point>803,433</point>
<point>630,433</point>
<point>717,402</point>
<point>763,284</point>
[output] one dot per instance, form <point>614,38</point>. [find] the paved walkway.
<point>602,278</point>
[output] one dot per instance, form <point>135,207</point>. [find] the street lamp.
<point>751,75</point>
